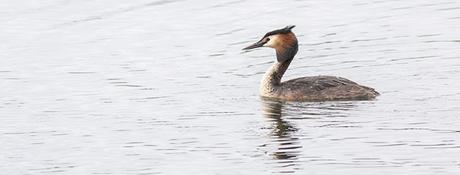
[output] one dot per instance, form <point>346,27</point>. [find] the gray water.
<point>162,87</point>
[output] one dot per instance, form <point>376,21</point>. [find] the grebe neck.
<point>272,78</point>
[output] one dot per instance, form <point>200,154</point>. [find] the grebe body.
<point>314,88</point>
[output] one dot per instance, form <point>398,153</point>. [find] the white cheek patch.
<point>272,42</point>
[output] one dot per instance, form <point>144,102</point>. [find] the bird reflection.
<point>284,136</point>
<point>282,133</point>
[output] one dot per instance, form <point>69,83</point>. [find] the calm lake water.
<point>162,87</point>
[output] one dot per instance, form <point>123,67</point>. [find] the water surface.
<point>162,87</point>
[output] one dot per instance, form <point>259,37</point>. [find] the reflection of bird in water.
<point>316,88</point>
<point>285,136</point>
<point>282,133</point>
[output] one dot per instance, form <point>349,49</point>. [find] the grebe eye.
<point>268,39</point>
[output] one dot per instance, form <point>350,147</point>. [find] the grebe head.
<point>282,40</point>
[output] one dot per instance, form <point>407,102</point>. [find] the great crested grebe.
<point>315,88</point>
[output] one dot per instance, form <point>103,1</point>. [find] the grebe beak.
<point>256,45</point>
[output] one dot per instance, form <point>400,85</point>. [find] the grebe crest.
<point>315,88</point>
